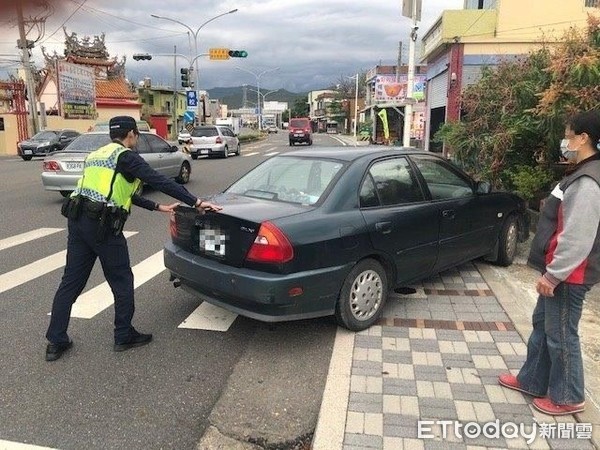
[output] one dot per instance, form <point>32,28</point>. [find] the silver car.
<point>211,140</point>
<point>63,169</point>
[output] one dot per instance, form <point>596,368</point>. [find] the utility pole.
<point>174,129</point>
<point>399,61</point>
<point>22,44</point>
<point>415,14</point>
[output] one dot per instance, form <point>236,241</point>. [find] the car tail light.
<point>270,246</point>
<point>172,225</point>
<point>51,166</point>
<point>219,140</point>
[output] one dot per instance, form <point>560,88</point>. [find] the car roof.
<point>353,153</point>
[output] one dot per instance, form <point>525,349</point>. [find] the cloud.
<point>313,42</point>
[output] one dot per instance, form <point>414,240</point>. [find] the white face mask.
<point>566,151</point>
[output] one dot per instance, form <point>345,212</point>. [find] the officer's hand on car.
<point>203,205</point>
<point>167,208</point>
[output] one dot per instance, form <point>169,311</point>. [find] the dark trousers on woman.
<point>554,365</point>
<point>83,248</point>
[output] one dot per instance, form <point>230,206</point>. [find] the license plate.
<point>27,152</point>
<point>212,241</point>
<point>298,135</point>
<point>74,166</point>
<point>204,151</point>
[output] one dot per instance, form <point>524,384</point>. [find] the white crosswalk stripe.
<point>271,154</point>
<point>100,297</point>
<point>37,269</point>
<point>250,154</point>
<point>26,237</point>
<point>9,445</point>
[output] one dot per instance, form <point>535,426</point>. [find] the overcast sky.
<point>313,42</point>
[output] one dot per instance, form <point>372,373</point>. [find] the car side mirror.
<point>174,148</point>
<point>483,187</point>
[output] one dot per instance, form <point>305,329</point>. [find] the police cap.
<point>123,123</point>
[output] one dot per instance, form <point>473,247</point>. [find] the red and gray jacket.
<point>566,246</point>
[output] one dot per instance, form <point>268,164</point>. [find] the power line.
<point>66,20</point>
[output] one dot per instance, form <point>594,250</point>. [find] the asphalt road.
<point>254,381</point>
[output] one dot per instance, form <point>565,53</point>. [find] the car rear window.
<point>289,179</point>
<point>299,123</point>
<point>88,143</point>
<point>204,132</point>
<point>44,135</point>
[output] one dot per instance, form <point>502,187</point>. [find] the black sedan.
<point>45,142</point>
<point>328,232</point>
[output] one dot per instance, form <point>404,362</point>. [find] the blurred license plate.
<point>74,166</point>
<point>204,151</point>
<point>212,241</point>
<point>27,152</point>
<point>298,134</point>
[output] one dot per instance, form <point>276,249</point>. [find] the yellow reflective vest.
<point>101,182</point>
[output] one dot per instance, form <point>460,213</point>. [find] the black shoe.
<point>55,351</point>
<point>136,340</point>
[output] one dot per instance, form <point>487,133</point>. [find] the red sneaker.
<point>547,406</point>
<point>510,381</point>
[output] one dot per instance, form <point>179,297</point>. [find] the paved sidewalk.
<point>435,356</point>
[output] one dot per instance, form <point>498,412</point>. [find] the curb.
<point>508,296</point>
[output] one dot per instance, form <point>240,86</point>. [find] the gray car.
<point>214,140</point>
<point>63,169</point>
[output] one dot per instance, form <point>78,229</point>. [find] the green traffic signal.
<point>238,53</point>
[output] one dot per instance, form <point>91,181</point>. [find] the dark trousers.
<point>82,251</point>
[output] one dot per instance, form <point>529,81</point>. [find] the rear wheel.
<point>184,173</point>
<point>291,144</point>
<point>238,150</point>
<point>507,241</point>
<point>362,296</point>
<point>26,158</point>
<point>225,152</point>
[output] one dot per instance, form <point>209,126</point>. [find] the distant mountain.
<point>233,96</point>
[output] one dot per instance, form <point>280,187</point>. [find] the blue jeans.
<point>554,365</point>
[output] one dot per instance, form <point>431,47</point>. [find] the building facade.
<point>462,42</point>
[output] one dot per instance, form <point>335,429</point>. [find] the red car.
<point>300,130</point>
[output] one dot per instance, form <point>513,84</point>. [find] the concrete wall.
<point>8,137</point>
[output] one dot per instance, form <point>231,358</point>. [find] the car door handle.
<point>384,227</point>
<point>449,213</point>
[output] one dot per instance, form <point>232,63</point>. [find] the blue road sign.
<point>192,99</point>
<point>188,116</point>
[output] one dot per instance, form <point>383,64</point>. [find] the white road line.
<point>37,269</point>
<point>209,317</point>
<point>28,236</point>
<point>9,445</point>
<point>99,298</point>
<point>250,154</point>
<point>271,154</point>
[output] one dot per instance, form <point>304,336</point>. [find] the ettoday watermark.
<point>507,430</point>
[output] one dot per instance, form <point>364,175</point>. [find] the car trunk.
<point>226,236</point>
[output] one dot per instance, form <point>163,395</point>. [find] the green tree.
<point>300,107</point>
<point>513,118</point>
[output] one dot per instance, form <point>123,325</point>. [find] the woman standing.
<point>566,250</point>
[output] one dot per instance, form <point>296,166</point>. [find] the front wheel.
<point>507,242</point>
<point>184,173</point>
<point>238,151</point>
<point>26,158</point>
<point>362,296</point>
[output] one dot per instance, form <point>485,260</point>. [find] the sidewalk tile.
<point>469,392</point>
<point>374,354</point>
<point>495,394</point>
<point>430,373</point>
<point>360,354</point>
<point>442,390</point>
<point>406,371</point>
<point>390,370</point>
<point>409,405</point>
<point>412,444</point>
<point>362,440</point>
<point>367,341</point>
<point>392,404</point>
<point>374,385</point>
<point>398,357</point>
<point>454,375</point>
<point>506,348</point>
<point>396,332</point>
<point>465,411</point>
<point>425,389</point>
<point>393,443</point>
<point>481,362</point>
<point>399,387</point>
<point>471,375</point>
<point>484,412</point>
<point>358,383</point>
<point>451,335</point>
<point>374,424</point>
<point>497,362</point>
<point>355,422</point>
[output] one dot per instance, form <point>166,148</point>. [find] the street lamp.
<point>195,34</point>
<point>258,75</point>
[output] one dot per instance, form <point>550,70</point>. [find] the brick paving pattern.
<point>436,355</point>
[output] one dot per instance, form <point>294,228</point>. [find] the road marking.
<point>37,269</point>
<point>271,154</point>
<point>28,236</point>
<point>9,445</point>
<point>209,317</point>
<point>250,154</point>
<point>99,298</point>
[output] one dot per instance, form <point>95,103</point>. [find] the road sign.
<point>192,98</point>
<point>188,116</point>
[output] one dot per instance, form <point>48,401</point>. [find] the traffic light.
<point>185,77</point>
<point>238,53</point>
<point>139,56</point>
<point>218,53</point>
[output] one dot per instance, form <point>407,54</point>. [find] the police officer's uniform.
<point>96,213</point>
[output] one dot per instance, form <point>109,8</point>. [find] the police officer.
<point>96,212</point>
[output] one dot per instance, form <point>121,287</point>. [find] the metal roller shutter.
<point>437,91</point>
